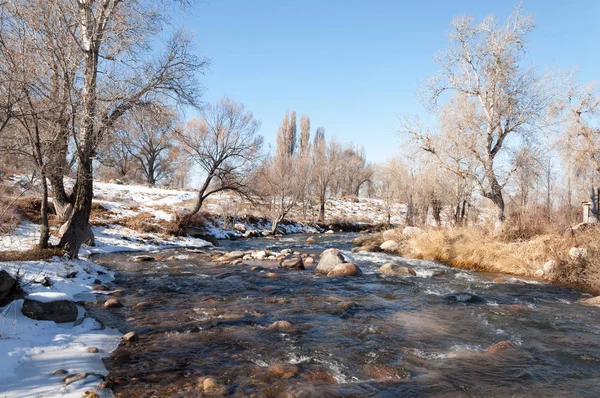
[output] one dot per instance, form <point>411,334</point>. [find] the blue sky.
<point>354,66</point>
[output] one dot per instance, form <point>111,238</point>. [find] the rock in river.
<point>329,260</point>
<point>395,269</point>
<point>463,298</point>
<point>344,269</point>
<point>292,262</point>
<point>390,246</point>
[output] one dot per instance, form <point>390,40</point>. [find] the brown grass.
<point>480,250</point>
<point>473,249</point>
<point>23,209</point>
<point>30,255</point>
<point>143,223</point>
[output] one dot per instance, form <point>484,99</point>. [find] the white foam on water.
<point>466,347</point>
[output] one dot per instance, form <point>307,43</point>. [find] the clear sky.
<point>354,66</point>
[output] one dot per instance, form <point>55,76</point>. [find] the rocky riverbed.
<point>232,322</point>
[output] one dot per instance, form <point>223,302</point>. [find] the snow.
<point>24,237</point>
<point>32,350</point>
<point>46,297</point>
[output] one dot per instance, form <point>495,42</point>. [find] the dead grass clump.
<point>375,239</point>
<point>99,211</point>
<point>518,228</point>
<point>31,255</point>
<point>10,217</point>
<point>30,208</point>
<point>27,208</point>
<point>475,250</point>
<point>582,271</point>
<point>143,223</point>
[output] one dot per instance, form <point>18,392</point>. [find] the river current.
<point>442,333</point>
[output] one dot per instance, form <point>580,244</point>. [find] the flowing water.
<point>369,335</point>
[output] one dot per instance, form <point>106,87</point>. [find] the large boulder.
<point>199,233</point>
<point>344,269</point>
<point>591,301</point>
<point>7,284</point>
<point>412,232</point>
<point>390,246</point>
<point>329,259</point>
<point>58,311</point>
<point>292,262</point>
<point>395,269</point>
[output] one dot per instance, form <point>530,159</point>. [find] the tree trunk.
<point>44,228</point>
<point>275,224</point>
<point>495,193</point>
<point>322,208</point>
<point>78,228</point>
<point>60,199</point>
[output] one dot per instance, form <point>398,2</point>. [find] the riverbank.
<point>41,357</point>
<point>570,258</point>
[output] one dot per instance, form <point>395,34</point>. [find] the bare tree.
<point>494,96</point>
<point>287,139</point>
<point>353,170</point>
<point>225,146</point>
<point>325,161</point>
<point>282,182</point>
<point>284,177</point>
<point>304,136</point>
<point>119,32</point>
<point>147,133</point>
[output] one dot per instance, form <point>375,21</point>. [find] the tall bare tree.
<point>304,141</point>
<point>119,72</point>
<point>493,95</point>
<point>225,146</point>
<point>325,162</point>
<point>284,177</point>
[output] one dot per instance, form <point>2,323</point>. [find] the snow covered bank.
<point>32,351</point>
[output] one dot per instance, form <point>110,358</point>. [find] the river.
<point>368,335</point>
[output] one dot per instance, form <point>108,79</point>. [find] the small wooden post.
<point>587,206</point>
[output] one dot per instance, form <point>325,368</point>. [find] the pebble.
<point>281,326</point>
<point>130,337</point>
<point>92,350</point>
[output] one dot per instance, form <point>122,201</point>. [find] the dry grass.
<point>479,250</point>
<point>23,209</point>
<point>143,223</point>
<point>474,249</point>
<point>30,255</point>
